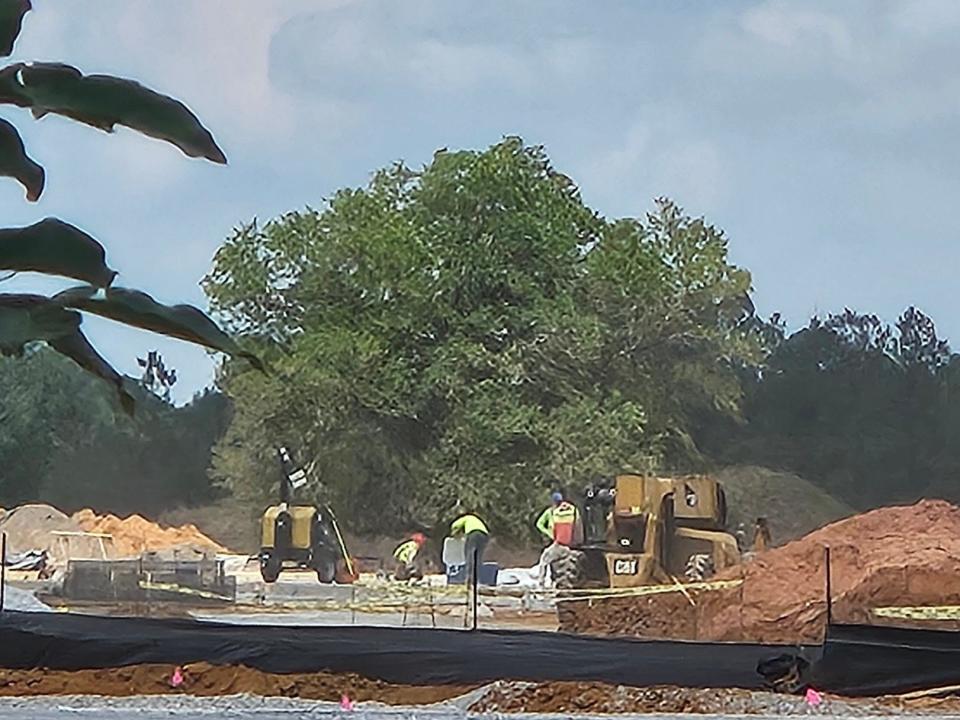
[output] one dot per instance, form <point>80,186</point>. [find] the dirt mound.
<point>135,535</point>
<point>792,505</point>
<point>892,556</point>
<point>43,527</point>
<point>204,679</point>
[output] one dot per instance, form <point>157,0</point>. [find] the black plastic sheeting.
<point>859,660</point>
<point>400,655</point>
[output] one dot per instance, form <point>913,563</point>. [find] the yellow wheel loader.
<point>639,530</point>
<point>301,536</point>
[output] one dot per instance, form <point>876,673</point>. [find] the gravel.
<point>755,706</point>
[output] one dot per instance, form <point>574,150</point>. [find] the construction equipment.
<point>641,530</point>
<point>301,536</point>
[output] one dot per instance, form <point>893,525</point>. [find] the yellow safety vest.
<point>406,552</point>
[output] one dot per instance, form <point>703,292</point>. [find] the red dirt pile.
<point>895,556</point>
<point>204,679</point>
<point>135,535</point>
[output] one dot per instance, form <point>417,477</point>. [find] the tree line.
<point>470,335</point>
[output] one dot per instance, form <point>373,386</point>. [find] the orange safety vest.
<point>564,523</point>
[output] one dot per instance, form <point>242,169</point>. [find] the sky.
<point>822,136</point>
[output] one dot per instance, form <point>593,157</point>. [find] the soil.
<point>895,556</point>
<point>33,527</point>
<point>569,698</point>
<point>204,679</point>
<point>134,535</point>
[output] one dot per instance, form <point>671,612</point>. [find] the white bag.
<point>453,552</point>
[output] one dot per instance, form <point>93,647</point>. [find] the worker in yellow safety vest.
<point>559,524</point>
<point>406,556</point>
<point>476,536</point>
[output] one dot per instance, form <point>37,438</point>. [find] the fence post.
<point>3,572</point>
<point>828,589</point>
<point>476,584</point>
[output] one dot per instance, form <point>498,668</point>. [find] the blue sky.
<point>823,136</point>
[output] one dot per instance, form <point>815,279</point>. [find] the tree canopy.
<point>469,335</point>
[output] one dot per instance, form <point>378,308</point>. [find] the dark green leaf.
<point>15,163</point>
<point>103,101</point>
<point>76,347</point>
<point>11,91</point>
<point>31,318</point>
<point>54,247</point>
<point>138,309</point>
<point>11,20</point>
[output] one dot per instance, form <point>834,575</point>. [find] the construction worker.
<point>761,535</point>
<point>406,556</point>
<point>558,524</point>
<point>476,536</point>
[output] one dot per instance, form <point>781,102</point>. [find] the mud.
<point>892,556</point>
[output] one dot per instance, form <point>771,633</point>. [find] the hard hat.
<point>557,497</point>
<point>418,538</point>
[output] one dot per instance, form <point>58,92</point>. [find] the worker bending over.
<point>406,556</point>
<point>476,536</point>
<point>558,524</point>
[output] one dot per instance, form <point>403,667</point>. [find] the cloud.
<point>798,28</point>
<point>820,135</point>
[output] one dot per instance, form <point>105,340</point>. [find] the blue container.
<point>488,573</point>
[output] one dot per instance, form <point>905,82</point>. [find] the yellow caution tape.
<point>592,594</point>
<point>941,612</point>
<point>182,590</point>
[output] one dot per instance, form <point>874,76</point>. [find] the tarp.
<point>875,660</point>
<point>401,655</point>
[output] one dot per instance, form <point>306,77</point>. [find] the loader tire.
<point>270,568</point>
<point>567,570</point>
<point>327,571</point>
<point>699,568</point>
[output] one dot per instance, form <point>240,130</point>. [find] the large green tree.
<point>468,335</point>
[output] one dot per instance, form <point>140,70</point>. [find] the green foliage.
<point>11,19</point>
<point>62,443</point>
<point>866,410</point>
<point>57,248</point>
<point>102,101</point>
<point>470,335</point>
<point>15,163</point>
<point>54,247</point>
<point>138,309</point>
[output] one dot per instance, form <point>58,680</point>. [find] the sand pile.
<point>42,527</point>
<point>886,557</point>
<point>135,535</point>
